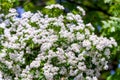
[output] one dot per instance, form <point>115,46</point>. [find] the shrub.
<point>51,45</point>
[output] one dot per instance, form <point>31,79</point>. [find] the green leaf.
<point>112,29</point>
<point>109,78</point>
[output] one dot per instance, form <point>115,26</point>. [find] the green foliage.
<point>29,6</point>
<point>115,10</point>
<point>111,27</point>
<point>5,5</point>
<point>116,76</point>
<point>1,31</point>
<point>112,1</point>
<point>48,2</point>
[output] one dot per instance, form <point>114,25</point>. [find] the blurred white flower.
<point>55,6</point>
<point>81,9</point>
<point>87,44</point>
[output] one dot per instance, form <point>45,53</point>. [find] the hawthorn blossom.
<point>38,46</point>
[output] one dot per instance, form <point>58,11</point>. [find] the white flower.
<point>35,17</point>
<point>87,31</point>
<point>45,46</point>
<point>73,72</point>
<point>3,54</point>
<point>9,64</point>
<point>50,71</point>
<point>79,77</point>
<point>113,41</point>
<point>12,10</point>
<point>100,47</point>
<point>12,13</point>
<point>95,78</point>
<point>81,66</point>
<point>63,71</point>
<point>106,67</point>
<point>87,44</point>
<point>88,78</point>
<point>93,38</point>
<point>75,47</point>
<point>35,64</point>
<point>55,6</point>
<point>81,57</point>
<point>81,9</point>
<point>2,25</point>
<point>27,14</point>
<point>90,26</point>
<point>90,72</point>
<point>1,75</point>
<point>107,52</point>
<point>80,36</point>
<point>1,15</point>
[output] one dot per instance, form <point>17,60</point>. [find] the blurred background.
<point>103,14</point>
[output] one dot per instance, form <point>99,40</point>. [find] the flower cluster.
<point>39,47</point>
<point>55,6</point>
